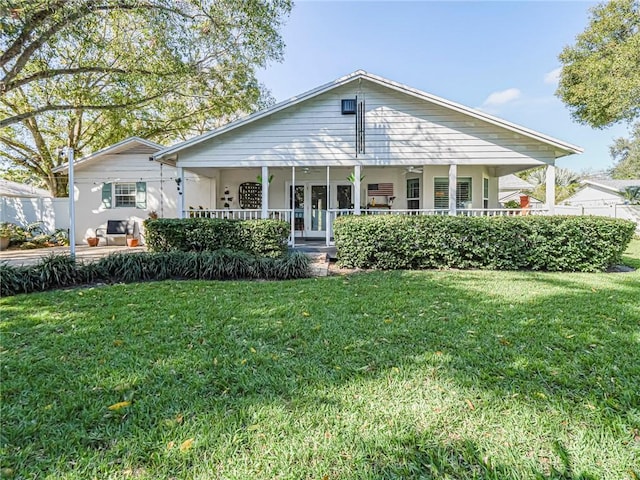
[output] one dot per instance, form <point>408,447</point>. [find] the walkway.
<point>83,252</point>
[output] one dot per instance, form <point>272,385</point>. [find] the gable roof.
<point>562,148</point>
<point>14,189</point>
<point>513,182</point>
<point>616,186</point>
<point>129,145</point>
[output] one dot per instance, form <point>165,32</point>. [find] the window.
<point>441,192</point>
<point>485,193</point>
<point>413,193</point>
<point>124,195</point>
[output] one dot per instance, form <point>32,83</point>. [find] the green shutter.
<point>106,195</point>
<point>141,195</point>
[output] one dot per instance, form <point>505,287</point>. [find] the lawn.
<point>437,374</point>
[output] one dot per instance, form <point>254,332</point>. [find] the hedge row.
<point>257,237</point>
<point>554,243</point>
<point>57,271</point>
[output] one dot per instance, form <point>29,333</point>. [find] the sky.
<point>500,57</point>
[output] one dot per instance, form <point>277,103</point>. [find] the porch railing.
<point>239,214</point>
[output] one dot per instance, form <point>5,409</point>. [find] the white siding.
<point>400,130</point>
<point>592,196</point>
<point>161,191</point>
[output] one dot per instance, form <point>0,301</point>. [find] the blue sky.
<point>496,56</point>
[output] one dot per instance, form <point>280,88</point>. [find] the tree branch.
<point>56,108</point>
<point>44,74</point>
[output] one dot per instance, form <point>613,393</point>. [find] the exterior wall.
<point>162,196</point>
<point>592,196</point>
<point>400,130</point>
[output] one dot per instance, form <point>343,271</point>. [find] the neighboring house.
<point>24,204</point>
<point>601,192</point>
<point>359,145</point>
<point>511,187</point>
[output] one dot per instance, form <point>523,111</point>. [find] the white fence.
<point>51,212</point>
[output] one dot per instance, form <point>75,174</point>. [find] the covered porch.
<point>311,197</point>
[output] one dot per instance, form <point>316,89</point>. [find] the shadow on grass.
<point>462,460</point>
<point>218,353</point>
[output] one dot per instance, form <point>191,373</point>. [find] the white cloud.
<point>553,76</point>
<point>502,97</point>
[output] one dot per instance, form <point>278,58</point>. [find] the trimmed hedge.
<point>257,237</point>
<point>58,271</point>
<point>555,243</point>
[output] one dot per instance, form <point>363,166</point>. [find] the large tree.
<point>600,79</point>
<point>86,73</point>
<point>626,155</point>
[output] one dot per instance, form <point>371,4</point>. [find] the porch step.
<point>319,265</point>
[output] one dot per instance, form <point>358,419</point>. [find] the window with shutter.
<point>441,192</point>
<point>141,195</point>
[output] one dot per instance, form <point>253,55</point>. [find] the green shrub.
<point>223,264</point>
<point>256,237</point>
<point>502,243</point>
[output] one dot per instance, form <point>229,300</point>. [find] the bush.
<point>255,237</point>
<point>60,271</point>
<point>555,243</point>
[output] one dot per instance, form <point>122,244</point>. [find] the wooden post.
<point>265,192</point>
<point>356,189</point>
<point>292,199</point>
<point>181,192</point>
<point>453,189</point>
<point>550,184</point>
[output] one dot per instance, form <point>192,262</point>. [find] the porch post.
<point>181,186</point>
<point>550,184</point>
<point>356,187</point>
<point>265,192</point>
<point>327,219</point>
<point>453,188</point>
<point>292,204</point>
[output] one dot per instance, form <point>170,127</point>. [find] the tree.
<point>567,182</point>
<point>600,79</point>
<point>88,73</point>
<point>625,152</point>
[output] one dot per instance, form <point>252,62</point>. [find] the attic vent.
<point>349,106</point>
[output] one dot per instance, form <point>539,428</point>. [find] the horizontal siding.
<point>399,129</point>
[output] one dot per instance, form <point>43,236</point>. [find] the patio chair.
<point>116,228</point>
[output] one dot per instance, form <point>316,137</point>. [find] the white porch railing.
<point>285,214</point>
<point>223,213</point>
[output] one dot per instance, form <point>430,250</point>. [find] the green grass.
<point>438,374</point>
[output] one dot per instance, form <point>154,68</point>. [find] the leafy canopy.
<point>600,79</point>
<point>625,152</point>
<point>89,73</point>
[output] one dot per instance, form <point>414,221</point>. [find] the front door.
<point>312,202</point>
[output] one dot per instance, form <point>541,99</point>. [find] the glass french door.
<point>319,207</point>
<point>311,203</point>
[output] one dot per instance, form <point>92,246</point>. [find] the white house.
<point>362,144</point>
<point>601,192</point>
<point>511,188</point>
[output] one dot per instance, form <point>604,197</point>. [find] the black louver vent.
<point>349,106</point>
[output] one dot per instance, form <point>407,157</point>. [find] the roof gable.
<point>128,146</point>
<point>561,148</point>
